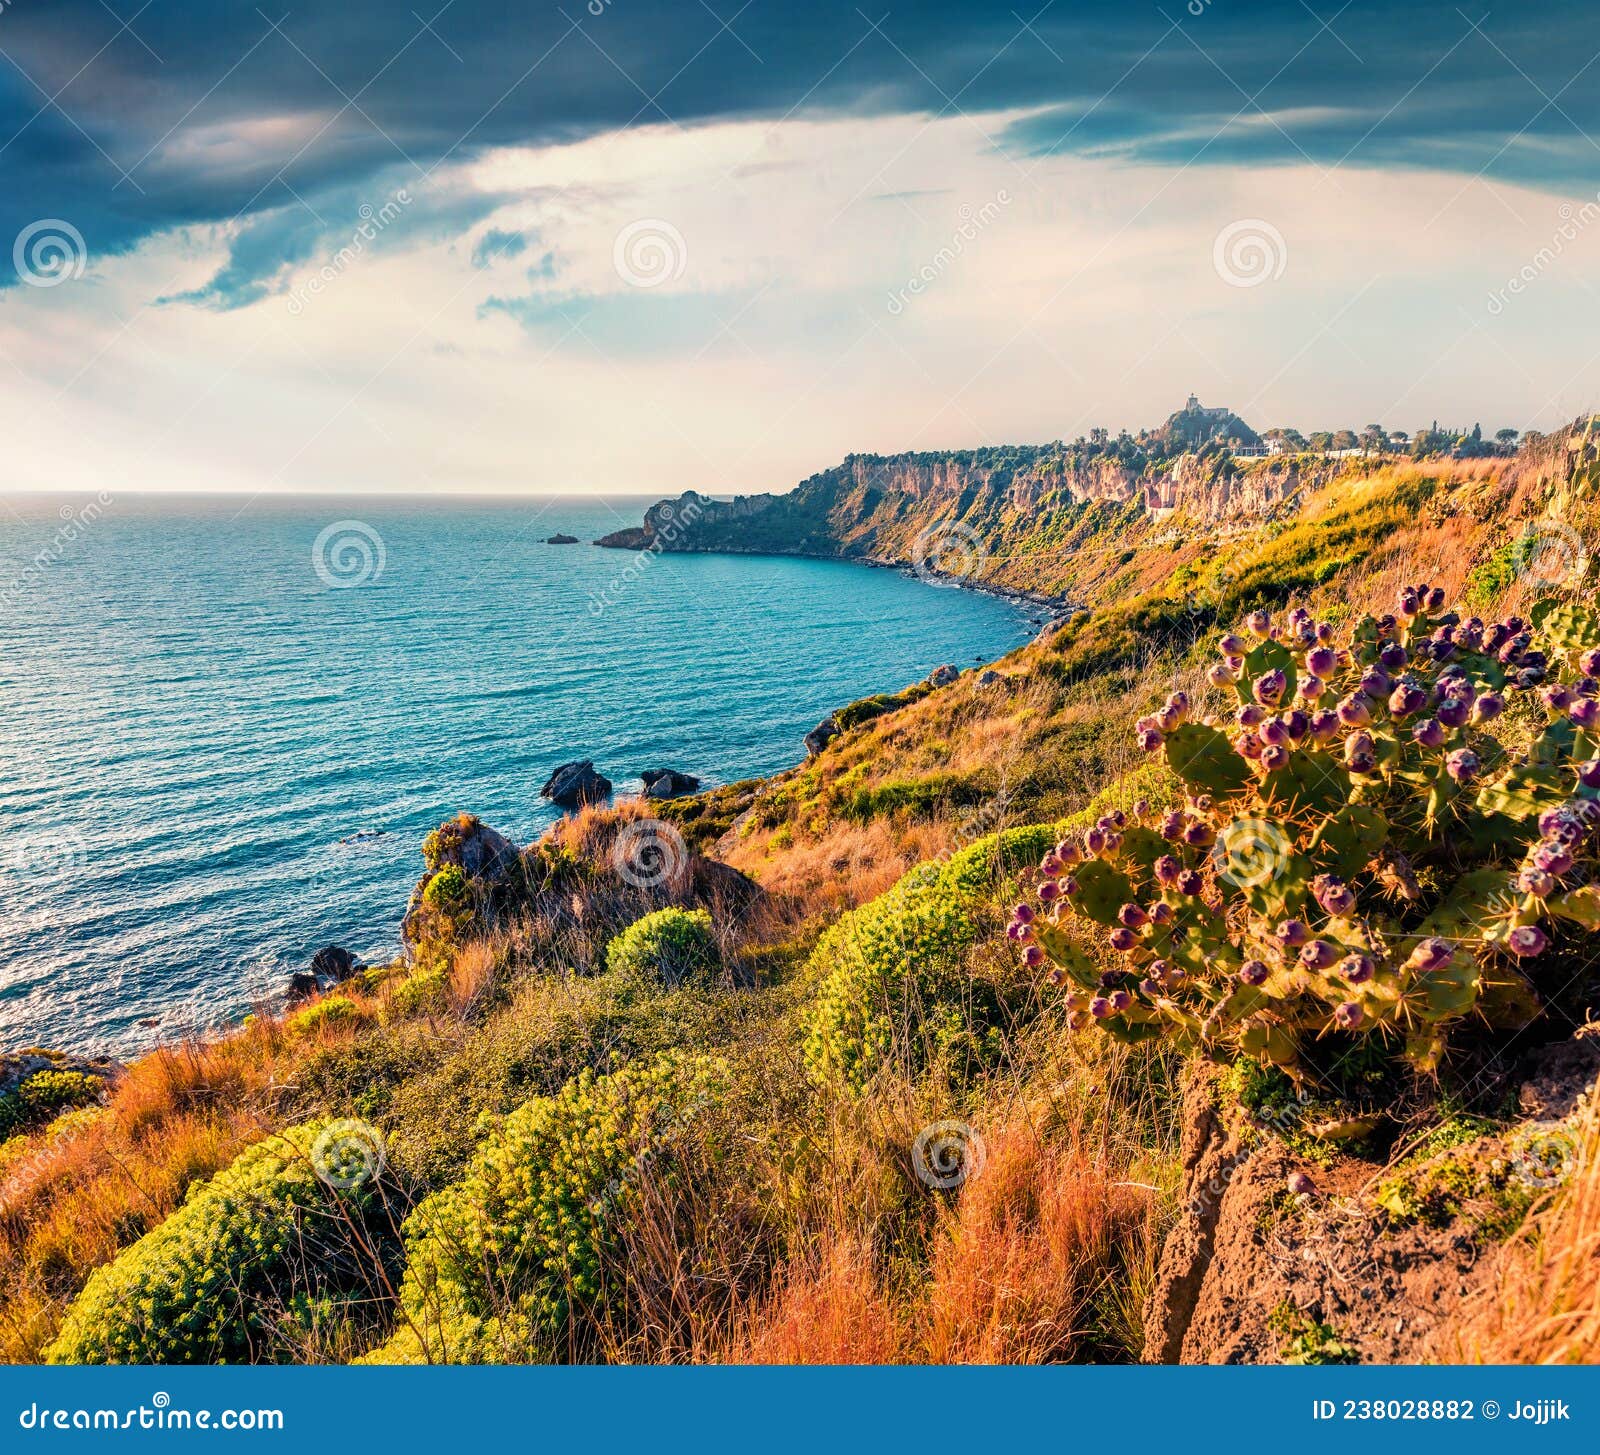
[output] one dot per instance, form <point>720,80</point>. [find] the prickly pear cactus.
<point>1386,836</point>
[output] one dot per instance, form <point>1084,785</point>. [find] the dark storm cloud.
<point>128,121</point>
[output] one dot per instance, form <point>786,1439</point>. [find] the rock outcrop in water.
<point>668,783</point>
<point>574,784</point>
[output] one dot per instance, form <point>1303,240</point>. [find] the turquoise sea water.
<point>221,742</point>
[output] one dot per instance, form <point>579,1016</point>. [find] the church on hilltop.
<point>1195,425</point>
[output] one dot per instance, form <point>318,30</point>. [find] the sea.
<point>226,723</point>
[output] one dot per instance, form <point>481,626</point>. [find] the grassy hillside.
<point>762,1075</point>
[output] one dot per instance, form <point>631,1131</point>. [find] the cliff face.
<point>1014,515</point>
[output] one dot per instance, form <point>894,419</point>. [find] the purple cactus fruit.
<point>1296,724</point>
<point>1354,711</point>
<point>1032,957</point>
<point>1393,656</point>
<point>1325,726</point>
<point>1589,773</point>
<point>1051,866</point>
<point>1553,859</point>
<point>1052,889</point>
<point>1407,606</point>
<point>1494,637</point>
<point>1317,955</point>
<point>1169,718</point>
<point>1435,600</point>
<point>1556,697</point>
<point>1123,940</point>
<point>1270,687</point>
<point>1253,972</point>
<point>1198,834</point>
<point>1247,745</point>
<point>1374,683</point>
<point>1430,955</point>
<point>1292,933</point>
<point>1233,646</point>
<point>1259,624</point>
<point>1274,733</point>
<point>1161,913</point>
<point>1132,916</point>
<point>1120,1000</point>
<point>1360,753</point>
<point>1160,970</point>
<point>1453,712</point>
<point>1150,740</point>
<point>1095,840</point>
<point>1172,824</point>
<point>1537,882</point>
<point>1100,1007</point>
<point>1012,930</point>
<point>1584,712</point>
<point>1589,662</point>
<point>1069,851</point>
<point>1349,1015</point>
<point>1249,716</point>
<point>1488,707</point>
<point>1220,674</point>
<point>1429,733</point>
<point>1406,699</point>
<point>1320,661</point>
<point>1357,969</point>
<point>1309,689</point>
<point>1149,989</point>
<point>1333,894</point>
<point>1301,1186</point>
<point>1167,869</point>
<point>1190,883</point>
<point>1274,758</point>
<point>1462,765</point>
<point>1055,977</point>
<point>1023,914</point>
<point>1526,940</point>
<point>1068,885</point>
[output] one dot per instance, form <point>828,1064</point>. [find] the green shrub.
<point>332,1010</point>
<point>43,1095</point>
<point>894,977</point>
<point>667,947</point>
<point>1362,865</point>
<point>281,1250</point>
<point>501,1263</point>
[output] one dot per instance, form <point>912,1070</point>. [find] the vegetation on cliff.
<point>782,1088</point>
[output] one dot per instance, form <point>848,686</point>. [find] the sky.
<point>614,247</point>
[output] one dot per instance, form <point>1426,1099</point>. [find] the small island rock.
<point>574,784</point>
<point>561,539</point>
<point>668,783</point>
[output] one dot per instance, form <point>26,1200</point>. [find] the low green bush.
<point>43,1095</point>
<point>894,980</point>
<point>332,1010</point>
<point>502,1263</point>
<point>667,947</point>
<point>280,1253</point>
